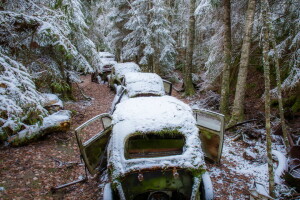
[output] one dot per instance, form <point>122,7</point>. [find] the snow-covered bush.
<point>20,103</point>
<point>42,44</point>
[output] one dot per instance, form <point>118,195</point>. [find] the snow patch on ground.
<point>234,164</point>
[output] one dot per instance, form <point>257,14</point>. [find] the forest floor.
<point>30,171</point>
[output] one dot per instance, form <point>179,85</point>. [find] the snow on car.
<point>118,72</point>
<point>136,84</point>
<point>122,68</point>
<point>143,84</point>
<point>107,55</point>
<point>107,61</point>
<point>153,151</point>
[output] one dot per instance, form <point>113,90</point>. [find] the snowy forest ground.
<point>29,172</point>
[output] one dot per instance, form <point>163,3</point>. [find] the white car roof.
<point>106,54</point>
<point>122,68</point>
<point>144,83</point>
<point>153,114</point>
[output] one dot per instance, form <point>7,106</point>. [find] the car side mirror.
<point>168,87</point>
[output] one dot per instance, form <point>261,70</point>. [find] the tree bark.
<point>266,50</point>
<point>278,78</point>
<point>227,54</point>
<point>188,83</point>
<point>238,105</point>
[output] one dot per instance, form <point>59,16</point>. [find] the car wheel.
<point>108,193</point>
<point>206,187</point>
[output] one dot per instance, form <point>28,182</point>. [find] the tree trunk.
<point>278,78</point>
<point>227,54</point>
<point>188,83</point>
<point>266,50</point>
<point>238,105</point>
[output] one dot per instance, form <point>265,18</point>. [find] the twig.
<point>236,137</point>
<point>239,124</point>
<point>62,140</point>
<point>67,164</point>
<point>86,97</point>
<point>80,180</point>
<point>178,90</point>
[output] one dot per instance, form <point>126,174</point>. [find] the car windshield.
<point>147,145</point>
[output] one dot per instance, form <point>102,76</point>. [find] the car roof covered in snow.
<point>107,61</point>
<point>153,114</point>
<point>122,68</point>
<point>105,54</point>
<point>137,83</point>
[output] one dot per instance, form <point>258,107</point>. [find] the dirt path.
<point>29,172</point>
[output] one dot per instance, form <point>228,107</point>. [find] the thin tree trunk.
<point>238,105</point>
<point>227,53</point>
<point>188,83</point>
<point>278,78</point>
<point>267,97</point>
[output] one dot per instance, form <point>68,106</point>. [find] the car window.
<point>147,145</point>
<point>167,87</point>
<point>211,133</point>
<point>93,143</point>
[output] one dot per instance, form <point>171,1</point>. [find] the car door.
<point>211,133</point>
<point>168,87</point>
<point>93,151</point>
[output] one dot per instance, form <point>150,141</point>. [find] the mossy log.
<point>59,121</point>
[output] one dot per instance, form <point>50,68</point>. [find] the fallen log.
<point>59,121</point>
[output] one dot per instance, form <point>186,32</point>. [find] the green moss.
<point>296,105</point>
<point>179,66</point>
<point>290,101</point>
<point>3,135</point>
<point>157,180</point>
<point>73,112</point>
<point>207,133</point>
<point>63,88</point>
<point>197,172</point>
<point>3,114</point>
<point>251,85</point>
<point>58,4</point>
<point>260,68</point>
<point>33,117</point>
<point>167,132</point>
<point>274,103</point>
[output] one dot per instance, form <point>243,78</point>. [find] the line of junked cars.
<point>153,145</point>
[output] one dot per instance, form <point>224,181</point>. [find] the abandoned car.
<point>107,61</point>
<point>152,150</point>
<point>137,84</point>
<point>118,71</point>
